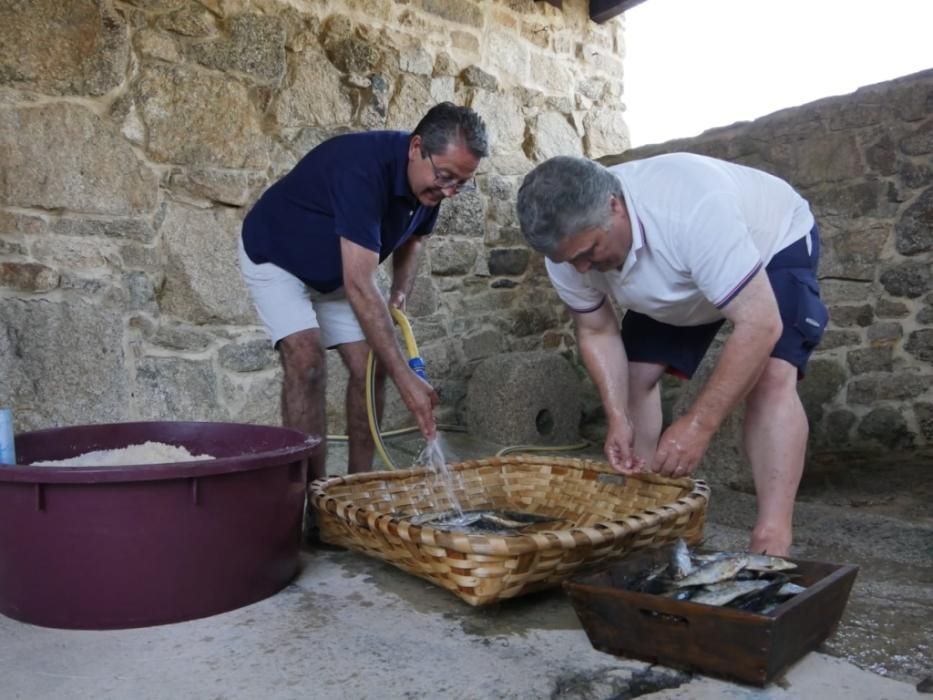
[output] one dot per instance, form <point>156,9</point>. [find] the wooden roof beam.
<point>603,10</point>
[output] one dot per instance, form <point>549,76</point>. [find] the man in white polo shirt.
<point>684,242</point>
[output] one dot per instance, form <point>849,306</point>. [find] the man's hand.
<point>619,447</point>
<point>757,327</point>
<point>681,447</point>
<point>604,357</point>
<point>421,400</point>
<point>398,299</point>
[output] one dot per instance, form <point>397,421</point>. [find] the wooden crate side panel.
<point>711,640</point>
<point>804,622</point>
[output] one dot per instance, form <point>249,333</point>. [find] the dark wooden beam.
<point>602,10</point>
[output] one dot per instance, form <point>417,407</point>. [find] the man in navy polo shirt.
<point>311,247</point>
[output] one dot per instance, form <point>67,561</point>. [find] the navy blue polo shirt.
<point>353,186</point>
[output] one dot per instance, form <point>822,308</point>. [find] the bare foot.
<point>775,543</point>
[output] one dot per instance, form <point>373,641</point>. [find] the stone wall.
<point>865,163</point>
<point>135,134</point>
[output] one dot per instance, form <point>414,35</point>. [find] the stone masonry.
<point>865,163</point>
<point>524,398</point>
<point>135,134</point>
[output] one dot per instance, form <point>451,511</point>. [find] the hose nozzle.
<point>417,366</point>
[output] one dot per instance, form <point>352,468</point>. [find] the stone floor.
<point>875,512</point>
<point>351,626</point>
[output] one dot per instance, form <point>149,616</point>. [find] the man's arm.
<point>404,270</point>
<point>359,273</point>
<point>604,357</point>
<point>757,327</point>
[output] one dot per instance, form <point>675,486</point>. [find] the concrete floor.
<point>351,626</point>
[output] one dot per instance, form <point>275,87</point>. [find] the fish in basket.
<point>554,516</point>
<point>742,580</point>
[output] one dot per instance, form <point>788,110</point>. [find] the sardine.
<point>682,593</point>
<point>760,599</point>
<point>727,591</point>
<point>756,562</point>
<point>765,562</point>
<point>651,581</point>
<point>480,520</point>
<point>680,566</point>
<point>784,593</point>
<point>425,518</point>
<point>790,589</point>
<point>500,521</point>
<point>714,572</point>
<point>712,556</point>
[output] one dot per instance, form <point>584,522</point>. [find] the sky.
<point>691,65</point>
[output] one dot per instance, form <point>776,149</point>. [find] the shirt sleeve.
<point>719,252</point>
<point>426,227</point>
<point>573,288</point>
<point>359,197</point>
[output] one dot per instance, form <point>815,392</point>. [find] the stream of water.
<point>447,511</point>
<point>433,457</point>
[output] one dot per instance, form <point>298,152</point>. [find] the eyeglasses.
<point>446,181</point>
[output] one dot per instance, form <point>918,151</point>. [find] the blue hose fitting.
<point>417,366</point>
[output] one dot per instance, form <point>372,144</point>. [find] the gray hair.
<point>562,197</point>
<point>446,124</point>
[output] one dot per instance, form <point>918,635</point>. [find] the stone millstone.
<point>525,398</point>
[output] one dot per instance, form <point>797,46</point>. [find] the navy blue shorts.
<point>792,273</point>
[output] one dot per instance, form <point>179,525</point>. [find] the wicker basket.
<point>599,517</point>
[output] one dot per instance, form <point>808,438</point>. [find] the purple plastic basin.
<point>132,546</point>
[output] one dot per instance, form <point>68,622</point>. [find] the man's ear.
<point>615,204</point>
<point>415,148</point>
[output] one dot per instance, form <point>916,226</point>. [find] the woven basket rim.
<point>599,533</point>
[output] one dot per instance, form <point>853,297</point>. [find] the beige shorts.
<point>287,305</point>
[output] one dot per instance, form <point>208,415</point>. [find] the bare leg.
<point>644,407</point>
<point>775,435</point>
<point>304,392</point>
<point>355,356</point>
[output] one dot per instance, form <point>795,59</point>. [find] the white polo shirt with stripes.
<point>701,228</point>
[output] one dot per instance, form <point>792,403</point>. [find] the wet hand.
<point>398,299</point>
<point>681,447</point>
<point>421,399</point>
<point>620,448</point>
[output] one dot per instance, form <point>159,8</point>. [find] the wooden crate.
<point>743,646</point>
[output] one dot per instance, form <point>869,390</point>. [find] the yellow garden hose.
<point>417,366</point>
<point>543,448</point>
